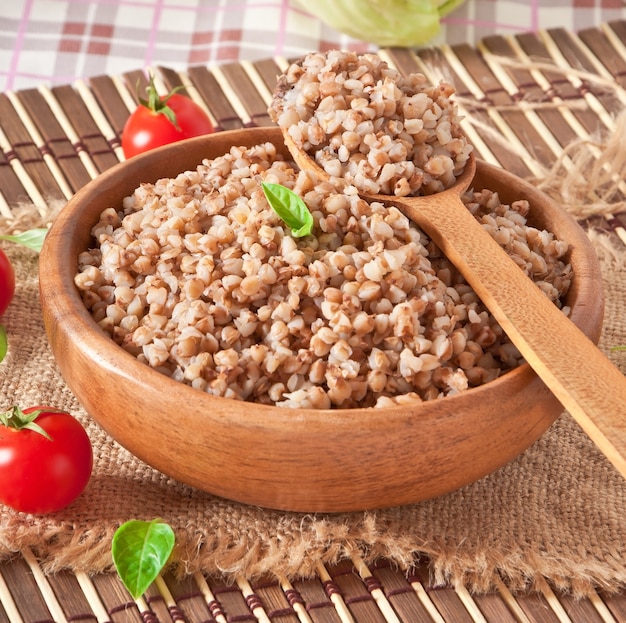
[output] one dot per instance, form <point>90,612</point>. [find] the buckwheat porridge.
<point>369,125</point>
<point>198,277</point>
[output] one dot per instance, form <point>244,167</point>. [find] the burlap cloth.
<point>558,512</point>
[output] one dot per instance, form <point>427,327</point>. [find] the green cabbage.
<point>386,23</point>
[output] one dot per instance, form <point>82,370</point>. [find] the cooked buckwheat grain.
<point>199,278</point>
<point>366,123</point>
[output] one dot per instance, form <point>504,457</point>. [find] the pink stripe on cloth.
<point>154,32</point>
<point>534,15</point>
<point>280,38</point>
<point>484,24</point>
<point>19,41</point>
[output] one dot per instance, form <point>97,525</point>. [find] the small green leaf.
<point>140,550</point>
<point>32,238</point>
<point>4,343</point>
<point>290,207</point>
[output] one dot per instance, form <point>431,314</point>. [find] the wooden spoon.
<point>586,383</point>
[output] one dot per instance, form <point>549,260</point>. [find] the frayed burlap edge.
<point>27,215</point>
<point>587,178</point>
<point>299,556</point>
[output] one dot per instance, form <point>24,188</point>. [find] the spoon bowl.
<point>410,206</point>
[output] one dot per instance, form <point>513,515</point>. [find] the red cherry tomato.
<point>45,464</point>
<point>7,282</point>
<point>162,120</point>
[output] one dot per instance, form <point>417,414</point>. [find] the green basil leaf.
<point>140,550</point>
<point>290,207</point>
<point>4,343</point>
<point>32,238</point>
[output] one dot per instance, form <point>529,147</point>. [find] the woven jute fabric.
<point>557,513</point>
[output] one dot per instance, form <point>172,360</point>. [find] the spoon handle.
<point>586,383</point>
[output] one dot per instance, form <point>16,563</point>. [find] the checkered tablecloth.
<point>59,41</point>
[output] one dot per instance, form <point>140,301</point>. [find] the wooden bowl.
<point>294,459</point>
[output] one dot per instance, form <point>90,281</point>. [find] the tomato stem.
<point>157,104</point>
<point>18,420</point>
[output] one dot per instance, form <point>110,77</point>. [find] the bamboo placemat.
<point>349,592</point>
<point>527,98</point>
